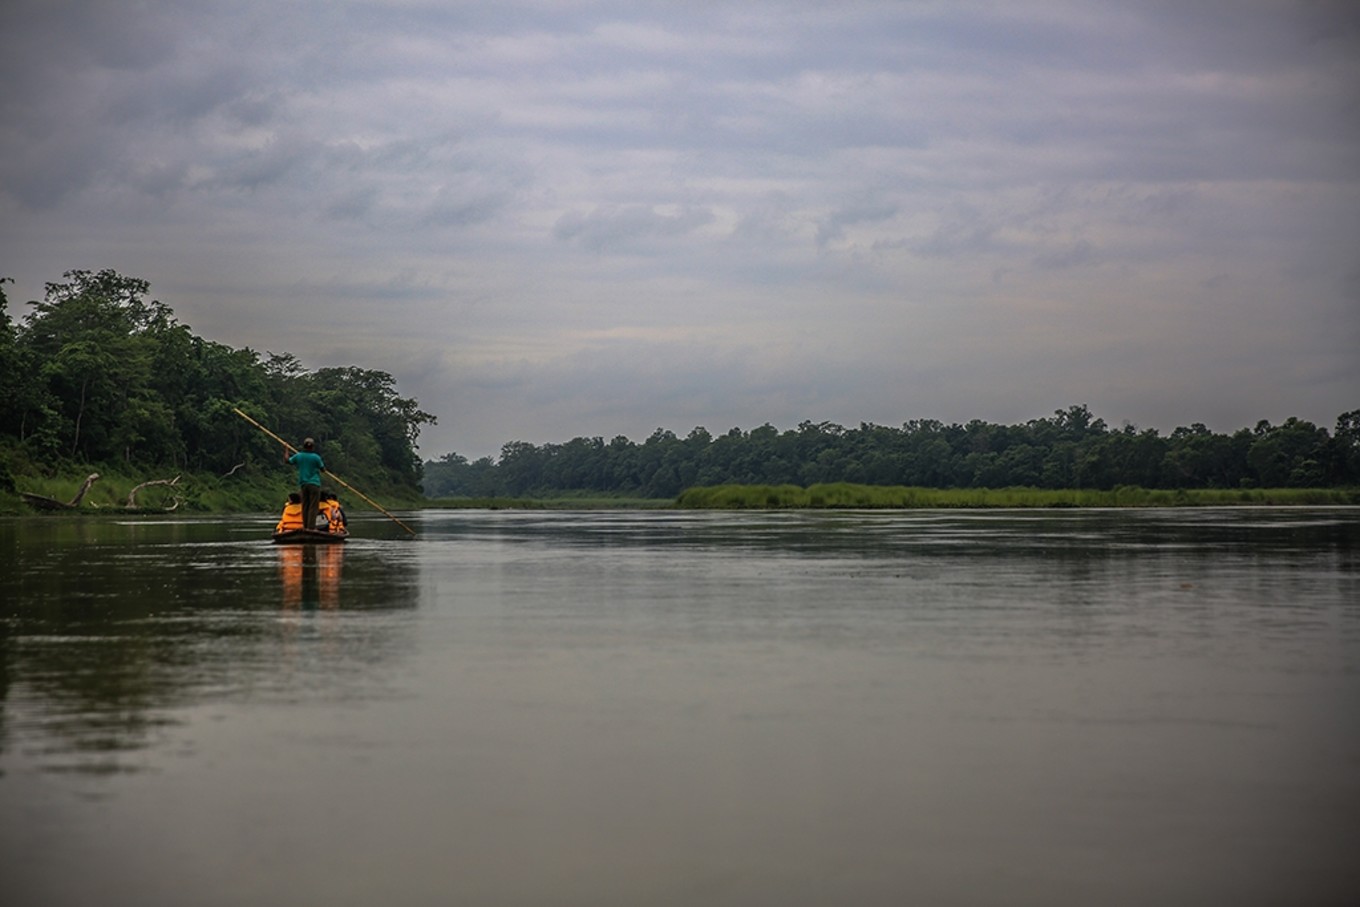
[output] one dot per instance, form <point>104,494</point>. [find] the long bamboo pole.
<point>335,477</point>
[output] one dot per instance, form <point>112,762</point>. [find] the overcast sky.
<point>554,219</point>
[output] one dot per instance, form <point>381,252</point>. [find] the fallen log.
<point>132,495</point>
<point>43,502</point>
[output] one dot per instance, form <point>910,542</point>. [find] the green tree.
<point>92,335</point>
<point>378,427</point>
<point>98,372</point>
<point>1295,454</point>
<point>12,383</point>
<point>1346,441</point>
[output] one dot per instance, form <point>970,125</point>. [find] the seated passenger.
<point>330,517</point>
<point>292,515</point>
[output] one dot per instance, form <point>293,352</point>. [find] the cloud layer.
<point>552,219</point>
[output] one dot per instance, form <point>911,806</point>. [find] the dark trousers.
<point>311,499</point>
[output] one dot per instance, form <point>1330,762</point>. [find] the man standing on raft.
<point>309,467</point>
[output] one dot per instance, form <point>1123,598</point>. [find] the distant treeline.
<point>98,374</point>
<point>896,497</point>
<point>1070,449</point>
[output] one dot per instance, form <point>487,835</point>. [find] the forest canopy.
<point>98,373</point>
<point>1070,449</point>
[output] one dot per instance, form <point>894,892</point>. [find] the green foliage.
<point>577,501</point>
<point>1070,450</point>
<point>98,375</point>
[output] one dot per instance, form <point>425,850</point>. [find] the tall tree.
<point>98,372</point>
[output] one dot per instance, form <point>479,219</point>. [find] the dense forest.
<point>99,375</point>
<point>1070,449</point>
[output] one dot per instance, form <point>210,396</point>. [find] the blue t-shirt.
<point>309,467</point>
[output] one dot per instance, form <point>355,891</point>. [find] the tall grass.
<point>242,492</point>
<point>200,493</point>
<point>850,496</point>
<point>563,502</point>
<point>193,492</point>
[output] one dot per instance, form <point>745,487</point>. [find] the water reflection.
<point>878,534</point>
<point>310,576</point>
<point>108,627</point>
<point>677,708</point>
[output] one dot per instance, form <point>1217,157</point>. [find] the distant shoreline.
<point>834,496</point>
<point>876,497</point>
<point>895,497</point>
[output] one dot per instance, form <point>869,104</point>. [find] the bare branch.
<point>132,495</point>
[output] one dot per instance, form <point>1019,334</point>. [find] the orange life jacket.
<point>291,519</point>
<point>335,517</point>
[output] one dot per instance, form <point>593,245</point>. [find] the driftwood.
<point>132,495</point>
<point>43,502</point>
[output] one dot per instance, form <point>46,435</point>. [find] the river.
<point>1121,707</point>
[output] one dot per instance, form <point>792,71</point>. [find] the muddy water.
<point>1115,707</point>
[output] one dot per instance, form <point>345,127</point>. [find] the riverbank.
<point>253,493</point>
<point>240,492</point>
<point>845,495</point>
<point>563,502</point>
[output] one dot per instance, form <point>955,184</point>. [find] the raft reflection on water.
<point>311,576</point>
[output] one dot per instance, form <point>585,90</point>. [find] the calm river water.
<point>669,708</point>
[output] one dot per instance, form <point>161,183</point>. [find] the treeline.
<point>843,495</point>
<point>1070,449</point>
<point>98,374</point>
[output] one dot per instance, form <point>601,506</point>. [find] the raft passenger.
<point>330,516</point>
<point>292,515</point>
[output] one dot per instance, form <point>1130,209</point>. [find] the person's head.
<point>308,444</point>
<point>295,497</point>
<point>327,494</point>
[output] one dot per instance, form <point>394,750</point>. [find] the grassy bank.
<point>266,490</point>
<point>241,492</point>
<point>565,502</point>
<point>845,495</point>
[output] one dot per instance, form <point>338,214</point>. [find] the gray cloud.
<point>548,219</point>
<point>609,227</point>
